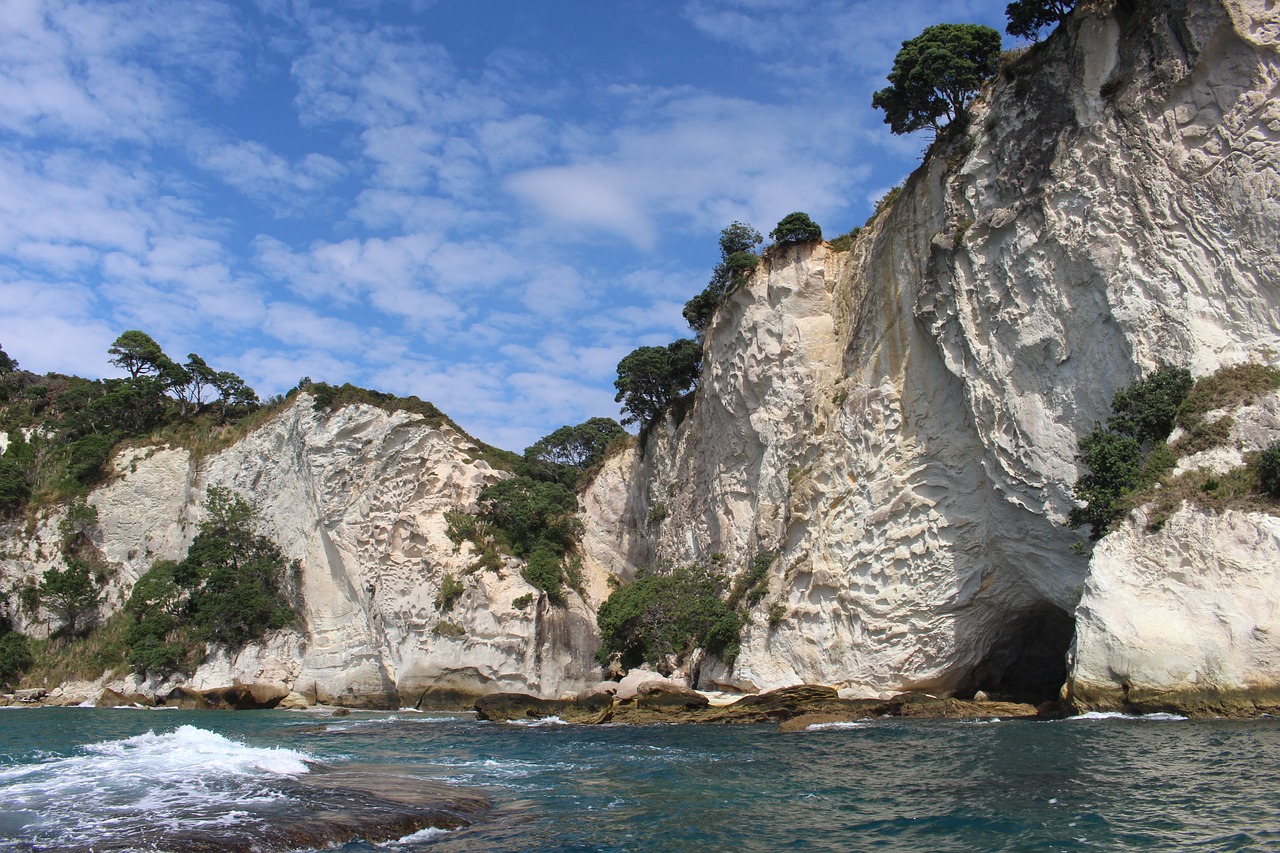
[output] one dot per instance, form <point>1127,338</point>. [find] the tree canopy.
<point>737,262</point>
<point>577,447</point>
<point>795,228</point>
<point>1028,17</point>
<point>651,378</point>
<point>936,74</point>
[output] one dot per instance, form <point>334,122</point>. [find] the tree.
<point>7,364</point>
<point>936,74</point>
<point>1028,17</point>
<point>15,655</point>
<point>529,512</point>
<point>579,446</point>
<point>71,593</point>
<point>738,237</point>
<point>737,262</point>
<point>657,615</point>
<point>795,228</point>
<point>650,378</point>
<point>137,353</point>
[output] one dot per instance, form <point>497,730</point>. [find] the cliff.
<point>358,496</point>
<point>894,426</point>
<point>899,423</point>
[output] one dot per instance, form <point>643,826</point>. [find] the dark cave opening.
<point>1028,660</point>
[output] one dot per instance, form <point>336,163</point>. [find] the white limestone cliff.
<point>899,423</point>
<point>358,496</point>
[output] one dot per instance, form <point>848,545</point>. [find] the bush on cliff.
<point>1269,470</point>
<point>737,262</point>
<point>652,378</point>
<point>671,613</point>
<point>229,589</point>
<point>795,228</point>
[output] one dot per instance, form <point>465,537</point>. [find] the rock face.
<point>358,496</point>
<point>899,423</point>
<point>893,427</point>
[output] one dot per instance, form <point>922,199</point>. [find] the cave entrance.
<point>1028,660</point>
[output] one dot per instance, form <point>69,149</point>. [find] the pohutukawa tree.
<point>1028,17</point>
<point>936,75</point>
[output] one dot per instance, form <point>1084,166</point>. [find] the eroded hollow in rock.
<point>1028,661</point>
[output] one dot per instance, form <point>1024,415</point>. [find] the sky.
<point>483,203</point>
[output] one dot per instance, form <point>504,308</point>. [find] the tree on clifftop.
<point>936,75</point>
<point>1028,17</point>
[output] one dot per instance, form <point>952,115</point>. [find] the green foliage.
<point>228,590</point>
<point>1268,466</point>
<point>776,614</point>
<point>15,656</point>
<point>1028,17</point>
<point>72,593</point>
<point>576,447</point>
<point>737,261</point>
<point>451,590</point>
<point>657,514</point>
<point>936,74</point>
<point>1147,409</point>
<point>651,378</point>
<point>795,228</point>
<point>15,488</point>
<point>520,602</point>
<point>751,585</point>
<point>137,353</point>
<point>528,512</point>
<point>7,364</point>
<point>844,242</point>
<point>661,614</point>
<point>452,630</point>
<point>1114,462</point>
<point>545,570</point>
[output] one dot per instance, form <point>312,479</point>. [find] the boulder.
<point>109,698</point>
<point>504,707</point>
<point>665,696</point>
<point>294,702</point>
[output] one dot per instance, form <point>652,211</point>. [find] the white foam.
<point>544,721</point>
<point>426,834</point>
<point>188,777</point>
<point>1116,715</point>
<point>822,727</point>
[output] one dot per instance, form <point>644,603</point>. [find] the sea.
<point>82,779</point>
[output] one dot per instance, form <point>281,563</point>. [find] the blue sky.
<point>484,203</point>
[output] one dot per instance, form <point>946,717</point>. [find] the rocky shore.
<point>793,708</point>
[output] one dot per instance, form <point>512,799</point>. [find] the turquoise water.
<point>104,779</point>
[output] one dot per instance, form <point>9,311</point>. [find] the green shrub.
<point>451,590</point>
<point>1148,409</point>
<point>545,570</point>
<point>1114,462</point>
<point>452,630</point>
<point>520,602</point>
<point>660,614</point>
<point>1268,465</point>
<point>527,512</point>
<point>229,589</point>
<point>15,657</point>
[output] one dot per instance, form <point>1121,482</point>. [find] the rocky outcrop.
<point>795,708</point>
<point>899,423</point>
